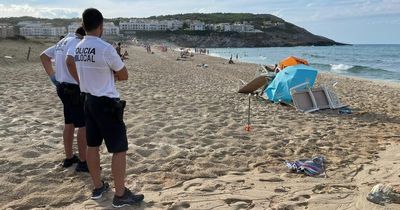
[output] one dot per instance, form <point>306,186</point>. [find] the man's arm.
<point>46,62</point>
<point>70,61</point>
<point>121,74</point>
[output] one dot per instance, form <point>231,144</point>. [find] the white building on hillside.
<point>73,26</point>
<point>6,30</point>
<point>236,27</point>
<point>225,27</point>
<point>110,29</point>
<point>40,29</point>
<point>150,25</point>
<point>197,26</point>
<point>174,25</point>
<point>239,27</point>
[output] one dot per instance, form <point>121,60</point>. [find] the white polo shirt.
<point>59,52</point>
<point>95,61</point>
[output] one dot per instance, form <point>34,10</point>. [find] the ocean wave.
<point>313,55</point>
<point>356,70</point>
<point>262,57</point>
<point>340,67</point>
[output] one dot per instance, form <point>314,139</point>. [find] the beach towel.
<point>308,167</point>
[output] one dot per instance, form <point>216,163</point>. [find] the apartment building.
<point>40,29</point>
<point>150,25</point>
<point>6,30</point>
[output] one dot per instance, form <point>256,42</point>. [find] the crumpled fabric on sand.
<point>312,167</point>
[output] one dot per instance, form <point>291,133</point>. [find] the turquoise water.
<point>381,62</point>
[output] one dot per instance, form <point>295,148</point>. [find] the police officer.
<point>98,66</point>
<point>69,93</point>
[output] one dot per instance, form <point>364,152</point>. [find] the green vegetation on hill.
<point>56,22</point>
<point>256,19</point>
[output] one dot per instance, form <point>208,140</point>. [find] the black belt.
<point>101,98</point>
<point>66,84</point>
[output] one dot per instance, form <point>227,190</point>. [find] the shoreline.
<point>378,81</point>
<point>258,62</point>
<point>187,143</point>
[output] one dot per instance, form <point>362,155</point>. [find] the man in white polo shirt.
<point>98,66</point>
<point>69,93</point>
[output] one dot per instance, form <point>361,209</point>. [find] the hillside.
<point>275,32</point>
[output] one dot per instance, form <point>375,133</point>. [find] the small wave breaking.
<point>340,67</point>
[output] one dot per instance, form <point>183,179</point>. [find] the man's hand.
<point>121,74</point>
<point>115,76</point>
<point>53,80</point>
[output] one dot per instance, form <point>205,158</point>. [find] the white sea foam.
<point>340,67</point>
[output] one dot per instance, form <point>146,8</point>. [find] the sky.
<point>347,21</point>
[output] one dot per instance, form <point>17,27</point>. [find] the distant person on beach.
<point>125,55</point>
<point>148,49</point>
<point>276,69</point>
<point>118,49</point>
<point>70,95</point>
<point>98,66</point>
<point>231,61</point>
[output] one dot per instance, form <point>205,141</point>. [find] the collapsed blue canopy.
<point>279,89</point>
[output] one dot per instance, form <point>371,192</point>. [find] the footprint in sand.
<point>14,179</point>
<point>273,179</point>
<point>333,188</point>
<point>281,189</point>
<point>30,154</point>
<point>144,152</point>
<point>191,186</point>
<point>301,198</point>
<point>140,141</point>
<point>179,205</point>
<point>239,203</point>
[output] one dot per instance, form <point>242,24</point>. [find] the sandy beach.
<point>187,145</point>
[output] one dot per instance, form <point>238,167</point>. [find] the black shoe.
<point>127,199</point>
<point>82,167</point>
<point>97,193</point>
<point>69,162</point>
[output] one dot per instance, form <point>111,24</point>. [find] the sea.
<point>375,62</point>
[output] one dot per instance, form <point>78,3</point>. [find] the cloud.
<point>293,11</point>
<point>14,10</point>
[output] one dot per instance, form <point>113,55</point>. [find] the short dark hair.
<point>92,19</point>
<point>80,31</point>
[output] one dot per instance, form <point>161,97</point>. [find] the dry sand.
<point>187,144</point>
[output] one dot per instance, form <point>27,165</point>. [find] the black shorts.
<point>104,120</point>
<point>73,102</point>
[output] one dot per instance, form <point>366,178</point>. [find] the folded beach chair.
<point>303,98</point>
<point>308,99</point>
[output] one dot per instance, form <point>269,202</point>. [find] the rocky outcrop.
<point>275,37</point>
<point>249,40</point>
